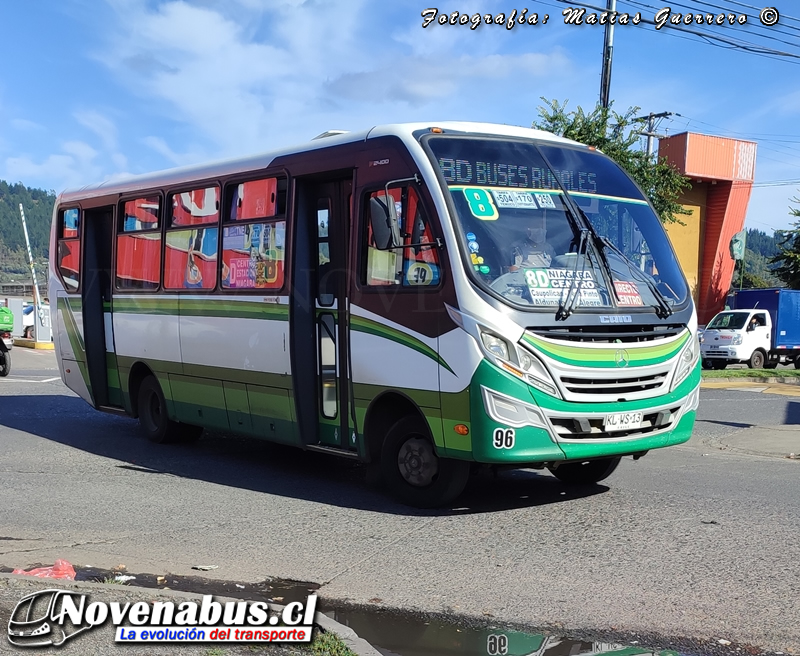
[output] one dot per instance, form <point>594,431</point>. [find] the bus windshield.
<point>521,233</point>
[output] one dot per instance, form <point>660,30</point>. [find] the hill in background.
<point>38,205</point>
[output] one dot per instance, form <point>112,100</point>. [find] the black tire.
<point>718,364</point>
<point>757,359</point>
<point>708,364</point>
<point>153,417</point>
<point>5,363</point>
<point>413,473</point>
<point>587,472</point>
<point>797,362</point>
<point>771,364</point>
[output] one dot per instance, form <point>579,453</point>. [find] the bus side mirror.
<point>383,220</point>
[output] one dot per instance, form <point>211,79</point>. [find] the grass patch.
<point>329,644</point>
<point>751,373</point>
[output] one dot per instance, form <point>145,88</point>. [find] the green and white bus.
<point>420,297</point>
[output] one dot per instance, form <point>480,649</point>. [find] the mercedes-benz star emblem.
<point>622,358</point>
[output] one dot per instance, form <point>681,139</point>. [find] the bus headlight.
<point>686,362</point>
<point>536,373</point>
<point>495,345</point>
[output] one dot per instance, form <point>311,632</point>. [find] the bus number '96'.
<point>497,645</point>
<point>503,438</point>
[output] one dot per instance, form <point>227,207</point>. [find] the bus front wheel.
<point>153,416</point>
<point>412,471</point>
<point>585,473</point>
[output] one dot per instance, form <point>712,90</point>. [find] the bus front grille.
<point>610,334</point>
<point>619,386</point>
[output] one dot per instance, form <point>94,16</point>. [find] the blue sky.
<point>93,89</point>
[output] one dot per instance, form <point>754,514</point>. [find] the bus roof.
<point>177,176</point>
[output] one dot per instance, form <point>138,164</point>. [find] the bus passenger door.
<point>101,358</point>
<point>320,358</point>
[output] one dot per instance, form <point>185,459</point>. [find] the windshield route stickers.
<point>628,294</point>
<point>550,286</point>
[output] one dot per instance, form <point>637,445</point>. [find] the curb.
<point>785,380</point>
<point>357,645</point>
<point>33,344</point>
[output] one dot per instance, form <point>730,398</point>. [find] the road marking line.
<point>50,380</point>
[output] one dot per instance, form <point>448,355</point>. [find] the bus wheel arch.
<point>403,455</point>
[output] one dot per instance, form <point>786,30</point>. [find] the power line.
<point>746,46</point>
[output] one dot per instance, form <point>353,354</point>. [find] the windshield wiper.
<point>566,305</point>
<point>664,309</point>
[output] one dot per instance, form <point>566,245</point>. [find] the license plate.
<point>623,421</point>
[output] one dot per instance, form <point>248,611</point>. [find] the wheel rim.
<point>417,462</point>
<point>758,361</point>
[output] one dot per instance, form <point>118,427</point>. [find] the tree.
<point>788,257</point>
<point>616,135</point>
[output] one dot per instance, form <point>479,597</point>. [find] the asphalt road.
<point>692,541</point>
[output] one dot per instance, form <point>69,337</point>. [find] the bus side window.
<point>69,249</point>
<point>138,254</point>
<point>254,234</point>
<point>417,262</point>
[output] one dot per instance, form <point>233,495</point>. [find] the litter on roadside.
<point>61,569</point>
<point>205,568</point>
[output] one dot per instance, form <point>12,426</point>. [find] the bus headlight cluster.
<point>686,362</point>
<point>519,361</point>
<point>495,345</point>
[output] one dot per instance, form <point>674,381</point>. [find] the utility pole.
<point>651,126</point>
<point>37,296</point>
<point>608,50</point>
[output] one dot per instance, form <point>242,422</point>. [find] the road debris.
<point>61,569</point>
<point>205,568</point>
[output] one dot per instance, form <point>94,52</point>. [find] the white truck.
<point>762,330</point>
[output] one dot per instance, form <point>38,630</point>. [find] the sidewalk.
<point>781,441</point>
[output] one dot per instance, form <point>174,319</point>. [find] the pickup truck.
<point>761,329</point>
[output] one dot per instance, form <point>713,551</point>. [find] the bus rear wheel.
<point>153,416</point>
<point>585,473</point>
<point>5,363</point>
<point>413,473</point>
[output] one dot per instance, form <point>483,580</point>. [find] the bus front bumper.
<point>547,429</point>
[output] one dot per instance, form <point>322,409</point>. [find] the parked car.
<point>28,317</point>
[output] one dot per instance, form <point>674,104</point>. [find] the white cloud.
<point>423,79</point>
<point>26,125</point>
<point>162,148</point>
<point>102,126</point>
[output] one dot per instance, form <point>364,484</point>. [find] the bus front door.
<point>320,358</point>
<point>101,358</point>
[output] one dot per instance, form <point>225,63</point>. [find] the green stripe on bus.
<point>639,356</point>
<point>201,307</point>
<point>370,327</point>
